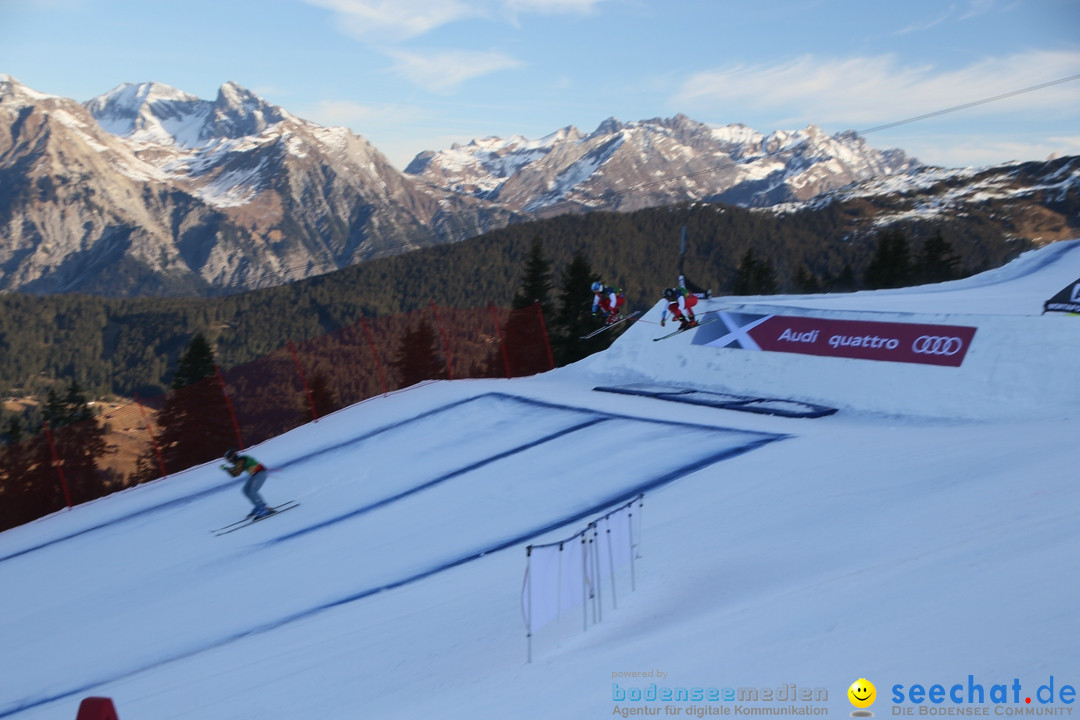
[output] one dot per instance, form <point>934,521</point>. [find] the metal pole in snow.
<point>584,583</point>
<point>598,604</point>
<point>611,562</point>
<point>528,604</point>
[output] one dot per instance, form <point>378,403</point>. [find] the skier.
<point>680,302</point>
<point>608,301</point>
<point>256,477</point>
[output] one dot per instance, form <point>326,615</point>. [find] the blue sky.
<point>414,75</point>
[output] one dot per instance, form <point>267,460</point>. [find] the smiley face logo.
<point>862,693</point>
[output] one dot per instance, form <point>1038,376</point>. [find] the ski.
<point>608,326</point>
<point>233,527</point>
<point>682,330</point>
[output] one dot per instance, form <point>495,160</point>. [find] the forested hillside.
<point>128,346</point>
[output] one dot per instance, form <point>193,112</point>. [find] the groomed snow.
<point>924,534</point>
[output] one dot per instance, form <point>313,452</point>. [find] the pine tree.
<point>195,421</point>
<point>28,485</point>
<point>196,364</point>
<point>418,356</point>
<point>845,281</point>
<point>937,262</point>
<point>574,318</point>
<point>535,281</point>
<point>806,281</point>
<point>526,328</point>
<point>890,266</point>
<point>79,440</point>
<point>754,276</point>
<point>322,396</point>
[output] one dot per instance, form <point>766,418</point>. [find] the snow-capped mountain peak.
<point>158,114</point>
<point>150,113</point>
<point>731,164</point>
<point>238,112</point>
<point>11,90</point>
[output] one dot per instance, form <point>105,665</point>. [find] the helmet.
<point>670,293</point>
<point>597,287</point>
<point>230,455</point>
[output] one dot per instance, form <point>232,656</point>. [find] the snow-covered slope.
<point>1014,366</point>
<point>919,536</point>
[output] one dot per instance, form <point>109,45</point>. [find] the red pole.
<point>378,364</point>
<point>445,342</point>
<point>547,340</point>
<point>153,439</point>
<point>502,340</point>
<point>58,464</point>
<point>232,412</point>
<point>303,380</point>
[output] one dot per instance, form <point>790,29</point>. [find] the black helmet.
<point>230,455</point>
<point>670,293</point>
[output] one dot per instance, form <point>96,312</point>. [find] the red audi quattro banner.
<point>894,342</point>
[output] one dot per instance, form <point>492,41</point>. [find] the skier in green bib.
<point>256,477</point>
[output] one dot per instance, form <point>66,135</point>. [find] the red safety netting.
<point>130,443</point>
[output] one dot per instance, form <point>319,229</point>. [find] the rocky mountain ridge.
<point>733,164</point>
<point>147,190</point>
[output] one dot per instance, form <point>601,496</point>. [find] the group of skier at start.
<point>608,302</point>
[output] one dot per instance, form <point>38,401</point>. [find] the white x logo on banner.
<point>741,333</point>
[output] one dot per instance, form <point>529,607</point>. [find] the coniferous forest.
<point>123,347</point>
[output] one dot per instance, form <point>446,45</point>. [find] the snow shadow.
<point>724,401</point>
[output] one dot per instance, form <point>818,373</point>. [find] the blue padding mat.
<point>725,401</point>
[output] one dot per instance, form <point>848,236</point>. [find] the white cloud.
<point>442,72</point>
<point>392,21</point>
<point>386,24</point>
<point>954,13</point>
<point>551,7</point>
<point>388,21</point>
<point>859,92</point>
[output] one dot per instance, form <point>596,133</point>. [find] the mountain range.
<point>147,190</point>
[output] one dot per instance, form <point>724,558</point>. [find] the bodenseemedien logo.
<point>713,700</point>
<point>862,695</point>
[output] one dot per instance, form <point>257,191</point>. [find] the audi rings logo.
<point>937,345</point>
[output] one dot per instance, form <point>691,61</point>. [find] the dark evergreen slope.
<point>128,346</point>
